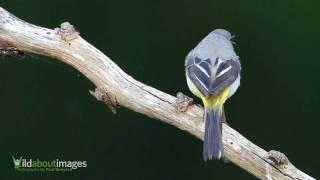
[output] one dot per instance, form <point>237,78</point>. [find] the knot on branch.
<point>183,102</point>
<point>7,49</point>
<point>277,158</point>
<point>102,94</point>
<point>67,32</point>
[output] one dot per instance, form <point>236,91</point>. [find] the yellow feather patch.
<point>212,102</point>
<point>216,101</point>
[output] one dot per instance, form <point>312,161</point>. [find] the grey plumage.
<point>212,66</point>
<point>212,145</point>
<point>211,56</point>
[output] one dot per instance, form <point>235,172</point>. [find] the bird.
<point>213,75</point>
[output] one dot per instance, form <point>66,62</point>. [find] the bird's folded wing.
<point>212,77</point>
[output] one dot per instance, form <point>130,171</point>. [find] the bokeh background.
<point>46,111</point>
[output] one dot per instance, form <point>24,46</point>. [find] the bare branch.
<point>66,45</point>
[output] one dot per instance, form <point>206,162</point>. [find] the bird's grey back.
<point>213,65</point>
<point>216,44</point>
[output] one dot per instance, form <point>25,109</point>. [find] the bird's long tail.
<point>213,146</point>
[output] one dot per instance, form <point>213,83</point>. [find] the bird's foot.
<point>183,102</point>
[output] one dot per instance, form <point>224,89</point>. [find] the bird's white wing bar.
<point>212,77</point>
<point>199,72</point>
<point>224,71</point>
<point>227,72</point>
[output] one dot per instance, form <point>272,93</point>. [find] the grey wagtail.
<point>213,75</point>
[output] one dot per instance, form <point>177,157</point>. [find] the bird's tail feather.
<point>213,146</point>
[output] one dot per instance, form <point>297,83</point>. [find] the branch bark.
<point>117,87</point>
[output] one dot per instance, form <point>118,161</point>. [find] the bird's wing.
<point>212,77</point>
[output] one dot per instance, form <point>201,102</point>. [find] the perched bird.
<point>213,75</point>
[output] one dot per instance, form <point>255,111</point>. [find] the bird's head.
<point>223,32</point>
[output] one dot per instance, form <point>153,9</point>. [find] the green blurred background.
<point>46,111</point>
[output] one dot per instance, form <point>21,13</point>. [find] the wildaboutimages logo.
<point>30,165</point>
